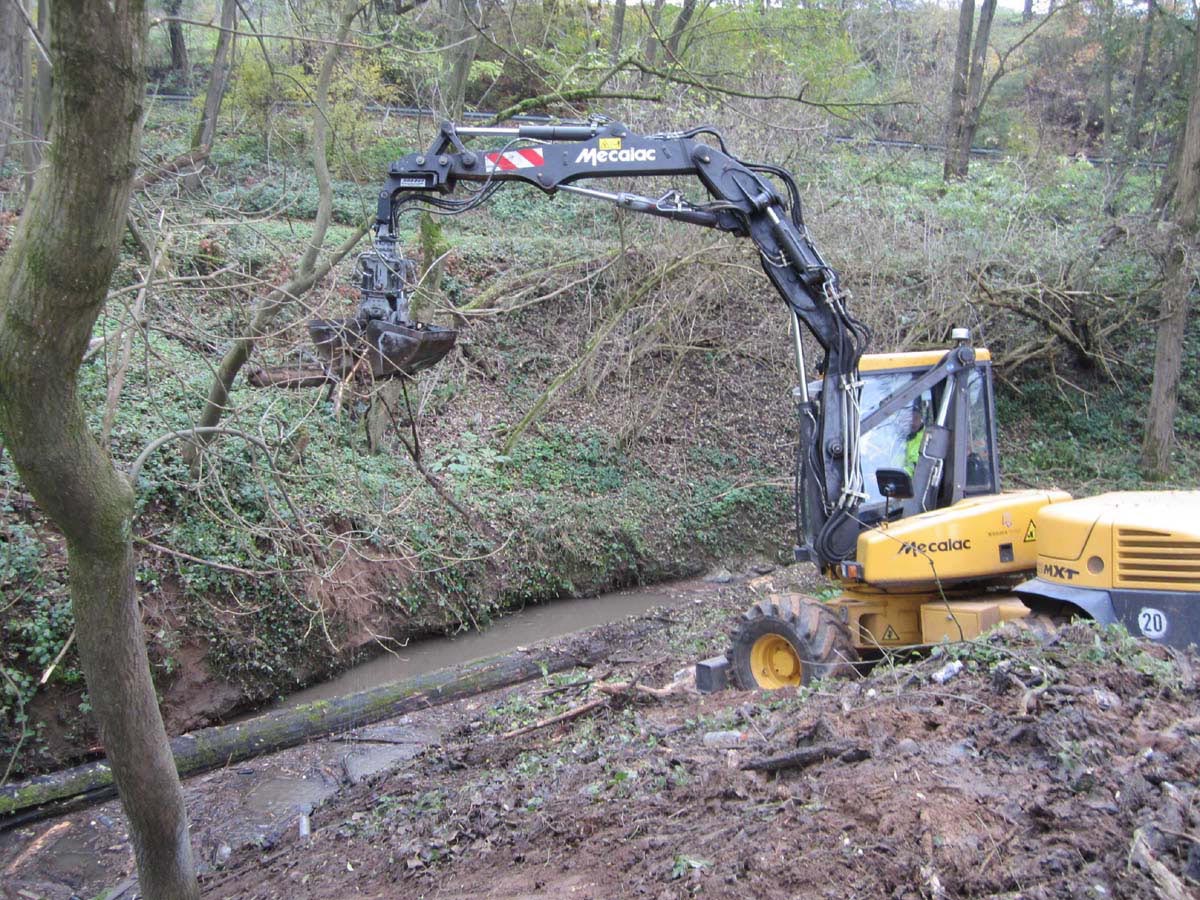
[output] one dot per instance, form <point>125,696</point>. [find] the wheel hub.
<point>775,662</point>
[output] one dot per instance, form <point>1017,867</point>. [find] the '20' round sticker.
<point>1153,623</point>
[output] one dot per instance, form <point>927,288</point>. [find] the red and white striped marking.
<point>512,160</point>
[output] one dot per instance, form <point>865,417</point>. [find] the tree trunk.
<point>210,748</point>
<point>955,165</point>
<point>309,272</point>
<point>1133,127</point>
<point>681,23</point>
<point>53,284</point>
<point>1108,73</point>
<point>12,67</point>
<point>589,29</point>
<point>975,95</point>
<point>967,93</point>
<point>36,94</point>
<point>1027,12</point>
<point>1168,352</point>
<point>44,102</point>
<point>462,40</point>
<point>206,128</point>
<point>1164,197</point>
<point>1159,439</point>
<point>652,42</point>
<point>28,162</point>
<point>179,54</point>
<point>618,30</point>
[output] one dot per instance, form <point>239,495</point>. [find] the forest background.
<point>619,407</point>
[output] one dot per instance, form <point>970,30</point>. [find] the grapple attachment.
<point>381,338</point>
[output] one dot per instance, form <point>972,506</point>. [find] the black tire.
<point>819,641</point>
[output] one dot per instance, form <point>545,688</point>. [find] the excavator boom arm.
<point>743,201</point>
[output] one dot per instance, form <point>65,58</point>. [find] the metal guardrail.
<point>418,112</point>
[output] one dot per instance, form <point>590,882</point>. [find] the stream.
<point>256,802</point>
<point>253,803</point>
<point>505,634</point>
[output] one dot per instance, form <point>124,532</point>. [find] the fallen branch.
<point>1168,882</point>
<point>625,688</point>
<point>609,690</point>
<point>210,748</point>
<point>567,716</point>
<point>845,751</point>
<point>291,377</point>
<point>933,884</point>
<point>167,169</point>
<point>58,658</point>
<point>1029,700</point>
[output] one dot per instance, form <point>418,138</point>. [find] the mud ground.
<point>1060,767</point>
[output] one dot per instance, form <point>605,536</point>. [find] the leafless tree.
<point>310,269</point>
<point>218,79</point>
<point>966,85</point>
<point>969,90</point>
<point>179,52</point>
<point>1141,80</point>
<point>618,30</point>
<point>1159,436</point>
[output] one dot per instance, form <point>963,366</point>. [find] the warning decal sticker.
<point>1031,533</point>
<point>511,160</point>
<point>890,634</point>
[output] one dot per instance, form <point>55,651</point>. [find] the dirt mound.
<point>1061,770</point>
<point>1004,767</point>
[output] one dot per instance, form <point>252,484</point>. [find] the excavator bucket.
<point>381,339</point>
<point>382,348</point>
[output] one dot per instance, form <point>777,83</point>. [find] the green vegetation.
<point>579,512</point>
<point>668,451</point>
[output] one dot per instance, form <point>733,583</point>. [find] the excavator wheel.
<point>789,639</point>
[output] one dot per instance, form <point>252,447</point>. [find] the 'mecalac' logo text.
<point>592,156</point>
<point>917,548</point>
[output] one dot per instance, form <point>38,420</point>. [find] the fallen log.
<point>808,756</point>
<point>211,748</point>
<point>173,167</point>
<point>291,377</point>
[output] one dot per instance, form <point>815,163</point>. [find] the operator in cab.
<point>916,434</point>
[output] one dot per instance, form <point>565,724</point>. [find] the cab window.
<point>980,470</point>
<point>892,443</point>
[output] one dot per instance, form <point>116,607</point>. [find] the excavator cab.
<point>938,546</point>
<point>895,440</point>
<point>929,415</point>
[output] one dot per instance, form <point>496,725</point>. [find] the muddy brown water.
<point>252,803</point>
<point>529,626</point>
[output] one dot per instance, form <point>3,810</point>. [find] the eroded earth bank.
<point>1060,767</point>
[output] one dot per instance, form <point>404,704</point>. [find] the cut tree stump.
<point>210,748</point>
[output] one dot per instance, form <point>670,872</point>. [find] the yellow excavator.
<point>898,492</point>
<point>960,556</point>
